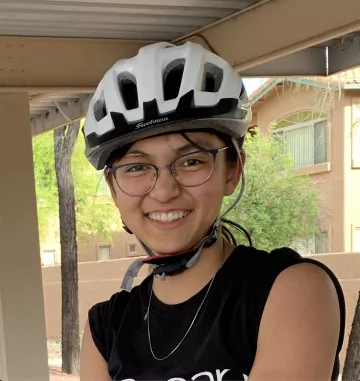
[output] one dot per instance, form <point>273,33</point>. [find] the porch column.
<point>23,352</point>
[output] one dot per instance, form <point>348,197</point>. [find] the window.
<point>48,258</point>
<point>356,247</point>
<point>305,136</point>
<point>104,252</point>
<point>132,250</point>
<point>318,244</point>
<point>321,243</point>
<point>355,135</point>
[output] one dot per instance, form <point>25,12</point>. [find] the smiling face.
<point>172,217</point>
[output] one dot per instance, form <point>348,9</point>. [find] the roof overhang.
<point>288,37</point>
<point>272,85</point>
<point>259,38</point>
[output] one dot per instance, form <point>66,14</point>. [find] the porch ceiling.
<point>57,50</point>
<point>122,19</point>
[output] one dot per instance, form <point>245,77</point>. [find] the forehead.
<point>175,141</point>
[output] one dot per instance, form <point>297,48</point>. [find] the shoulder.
<point>101,318</point>
<point>105,309</point>
<point>304,314</point>
<point>267,266</point>
<point>295,300</point>
<point>262,265</point>
<point>283,273</point>
<point>288,273</point>
<point>105,317</point>
<point>104,312</point>
<point>283,269</point>
<point>304,288</point>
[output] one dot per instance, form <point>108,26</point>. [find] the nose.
<point>166,187</point>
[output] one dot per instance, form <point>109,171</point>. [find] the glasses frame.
<point>214,152</point>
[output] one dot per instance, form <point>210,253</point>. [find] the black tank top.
<point>221,344</point>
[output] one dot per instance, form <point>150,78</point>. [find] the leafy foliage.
<point>45,183</point>
<point>95,211</point>
<point>278,207</point>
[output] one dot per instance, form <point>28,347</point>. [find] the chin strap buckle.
<point>169,264</point>
<point>176,266</point>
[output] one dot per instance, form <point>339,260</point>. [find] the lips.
<point>169,216</point>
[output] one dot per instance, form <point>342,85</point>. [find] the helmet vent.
<point>128,90</point>
<point>100,110</point>
<point>173,74</point>
<point>212,78</point>
<point>243,91</point>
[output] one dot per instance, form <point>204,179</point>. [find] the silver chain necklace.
<point>147,317</point>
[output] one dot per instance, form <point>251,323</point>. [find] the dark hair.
<point>231,156</point>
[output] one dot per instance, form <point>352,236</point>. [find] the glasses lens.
<point>193,169</point>
<point>136,179</point>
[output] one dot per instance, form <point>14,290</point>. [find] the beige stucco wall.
<point>346,267</point>
<point>119,247</point>
<point>97,282</point>
<point>89,251</point>
<point>330,179</point>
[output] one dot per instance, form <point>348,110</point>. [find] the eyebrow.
<point>181,150</point>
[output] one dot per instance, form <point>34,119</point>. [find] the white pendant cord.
<point>147,317</point>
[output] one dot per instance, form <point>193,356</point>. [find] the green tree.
<point>279,207</point>
<point>95,211</point>
<point>45,181</point>
<point>73,199</point>
<point>64,142</point>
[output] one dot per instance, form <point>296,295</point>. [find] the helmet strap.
<point>175,263</point>
<point>170,264</point>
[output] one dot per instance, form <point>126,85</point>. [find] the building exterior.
<point>123,245</point>
<point>320,122</point>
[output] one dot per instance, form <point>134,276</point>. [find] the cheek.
<point>210,195</point>
<point>128,208</point>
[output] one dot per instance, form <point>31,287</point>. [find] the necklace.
<point>147,317</point>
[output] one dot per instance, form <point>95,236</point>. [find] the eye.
<point>133,168</point>
<point>194,160</point>
<point>191,162</point>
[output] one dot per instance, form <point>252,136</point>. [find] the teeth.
<point>166,217</point>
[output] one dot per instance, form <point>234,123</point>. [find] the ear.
<point>233,175</point>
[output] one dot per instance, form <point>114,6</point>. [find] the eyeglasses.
<point>190,170</point>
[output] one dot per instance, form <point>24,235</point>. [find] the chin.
<point>170,248</point>
<point>171,243</point>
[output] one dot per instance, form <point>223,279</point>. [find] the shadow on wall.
<point>97,282</point>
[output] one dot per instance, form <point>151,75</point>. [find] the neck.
<point>179,288</point>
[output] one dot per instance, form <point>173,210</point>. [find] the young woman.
<point>167,127</point>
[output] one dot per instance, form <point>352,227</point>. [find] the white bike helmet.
<point>164,88</point>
